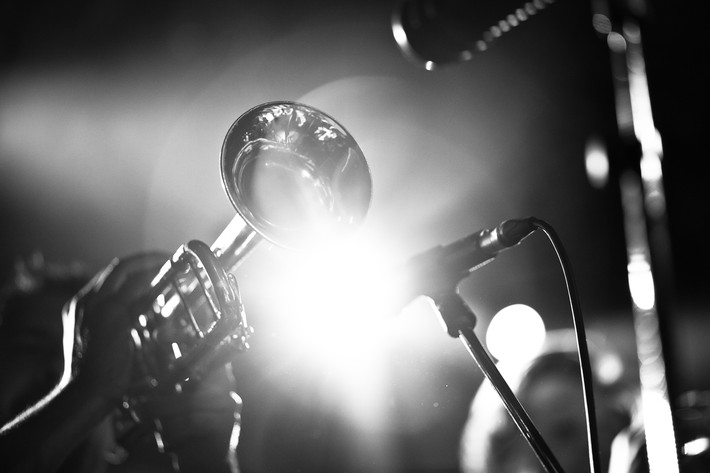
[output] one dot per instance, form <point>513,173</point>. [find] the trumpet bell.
<point>295,175</point>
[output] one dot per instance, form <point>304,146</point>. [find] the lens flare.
<point>516,332</point>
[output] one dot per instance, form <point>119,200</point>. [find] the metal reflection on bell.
<point>295,175</point>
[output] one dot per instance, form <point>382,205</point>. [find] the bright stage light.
<point>331,324</point>
<point>335,299</point>
<point>516,332</point>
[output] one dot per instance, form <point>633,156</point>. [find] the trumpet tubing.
<point>297,179</point>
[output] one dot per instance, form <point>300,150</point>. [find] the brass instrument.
<point>297,179</point>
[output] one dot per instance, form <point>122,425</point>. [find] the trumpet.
<point>297,179</point>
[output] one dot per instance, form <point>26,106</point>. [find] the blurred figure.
<point>549,388</point>
<point>63,376</point>
<point>31,349</point>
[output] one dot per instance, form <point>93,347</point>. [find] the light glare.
<point>696,446</point>
<point>330,305</point>
<point>333,302</point>
<point>596,163</point>
<point>399,34</point>
<point>641,284</point>
<point>516,332</point>
<point>661,442</point>
<point>610,369</point>
<point>176,350</point>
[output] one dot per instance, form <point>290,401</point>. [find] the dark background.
<point>112,114</point>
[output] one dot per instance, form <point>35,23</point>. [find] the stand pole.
<point>460,322</point>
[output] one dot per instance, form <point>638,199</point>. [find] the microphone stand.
<point>650,266</point>
<point>460,321</point>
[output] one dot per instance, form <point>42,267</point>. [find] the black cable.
<point>582,349</point>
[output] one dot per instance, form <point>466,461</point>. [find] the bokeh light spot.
<point>516,332</point>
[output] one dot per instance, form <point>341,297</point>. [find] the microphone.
<point>433,273</point>
<point>441,268</point>
<point>431,33</point>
